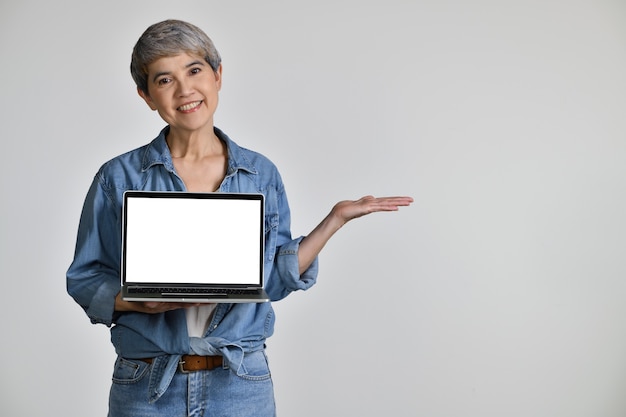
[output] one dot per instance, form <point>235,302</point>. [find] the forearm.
<point>314,242</point>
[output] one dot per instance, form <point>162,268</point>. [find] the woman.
<point>177,359</point>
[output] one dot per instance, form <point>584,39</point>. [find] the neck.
<point>193,144</point>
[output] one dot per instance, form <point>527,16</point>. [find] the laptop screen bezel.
<point>131,194</point>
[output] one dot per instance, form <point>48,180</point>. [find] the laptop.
<point>192,247</point>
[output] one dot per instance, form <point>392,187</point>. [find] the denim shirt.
<point>93,278</point>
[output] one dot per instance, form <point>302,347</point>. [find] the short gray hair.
<point>169,38</point>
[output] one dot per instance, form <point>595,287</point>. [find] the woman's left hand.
<point>341,213</point>
<point>351,209</point>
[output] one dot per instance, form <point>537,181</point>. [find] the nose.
<point>184,88</point>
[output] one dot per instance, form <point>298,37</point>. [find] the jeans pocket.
<point>128,371</point>
<point>255,367</point>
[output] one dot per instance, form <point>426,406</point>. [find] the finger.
<point>394,201</point>
<point>400,200</point>
<point>389,203</point>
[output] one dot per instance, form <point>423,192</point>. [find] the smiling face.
<point>183,89</point>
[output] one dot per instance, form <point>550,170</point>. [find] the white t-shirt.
<point>198,318</point>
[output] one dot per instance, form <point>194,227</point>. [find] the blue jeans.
<point>219,392</point>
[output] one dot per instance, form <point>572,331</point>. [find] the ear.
<point>218,77</point>
<point>146,98</point>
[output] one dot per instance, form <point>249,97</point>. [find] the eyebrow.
<point>191,64</point>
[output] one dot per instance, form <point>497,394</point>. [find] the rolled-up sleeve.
<point>288,267</point>
<point>285,276</point>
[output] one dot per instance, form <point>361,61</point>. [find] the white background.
<point>504,119</point>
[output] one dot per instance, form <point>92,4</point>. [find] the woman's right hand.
<point>150,307</point>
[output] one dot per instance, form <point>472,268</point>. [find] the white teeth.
<point>189,106</point>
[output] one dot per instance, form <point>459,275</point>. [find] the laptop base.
<point>259,296</point>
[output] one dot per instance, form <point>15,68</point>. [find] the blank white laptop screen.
<point>175,240</point>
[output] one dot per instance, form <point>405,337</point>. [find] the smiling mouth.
<point>190,106</point>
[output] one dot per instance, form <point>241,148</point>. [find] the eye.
<point>164,81</point>
<point>195,70</point>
